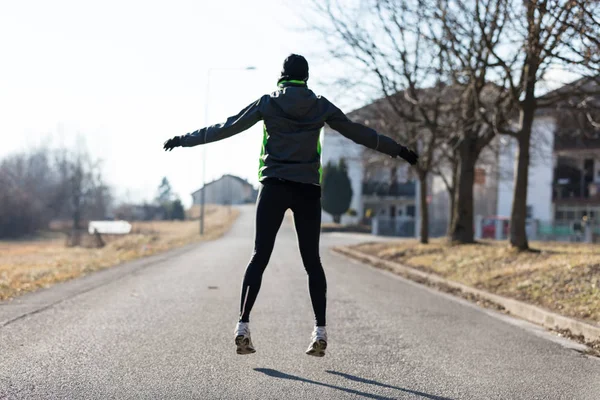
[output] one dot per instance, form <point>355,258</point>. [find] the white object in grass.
<point>109,227</point>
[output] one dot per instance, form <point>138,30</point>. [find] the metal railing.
<point>405,227</point>
<point>400,227</point>
<point>568,230</point>
<point>560,231</point>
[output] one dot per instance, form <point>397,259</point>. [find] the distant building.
<point>227,190</point>
<point>388,192</point>
<point>564,170</point>
<point>379,190</point>
<point>575,184</point>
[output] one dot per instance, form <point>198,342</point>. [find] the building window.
<point>588,166</point>
<point>558,215</point>
<point>400,211</point>
<point>410,211</point>
<point>529,211</point>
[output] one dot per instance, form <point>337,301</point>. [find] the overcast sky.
<point>127,75</point>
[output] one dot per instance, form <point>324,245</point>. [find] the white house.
<point>493,190</point>
<point>539,189</point>
<point>373,188</point>
<point>564,174</point>
<point>576,159</point>
<point>563,182</point>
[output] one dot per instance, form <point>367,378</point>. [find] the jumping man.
<point>290,177</point>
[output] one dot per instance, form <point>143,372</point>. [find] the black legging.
<point>275,197</point>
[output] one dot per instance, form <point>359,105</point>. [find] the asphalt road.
<point>162,328</point>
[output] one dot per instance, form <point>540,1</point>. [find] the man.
<point>290,177</point>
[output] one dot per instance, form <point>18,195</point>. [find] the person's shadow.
<point>277,374</point>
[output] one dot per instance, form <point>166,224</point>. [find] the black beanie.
<point>295,68</point>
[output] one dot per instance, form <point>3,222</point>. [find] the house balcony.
<point>576,177</point>
<point>385,189</point>
<point>385,200</point>
<point>588,193</point>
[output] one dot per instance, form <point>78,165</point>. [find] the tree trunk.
<point>462,231</point>
<point>424,211</point>
<point>77,217</point>
<point>518,217</point>
<point>337,219</point>
<point>452,197</point>
<point>75,232</point>
<point>452,194</point>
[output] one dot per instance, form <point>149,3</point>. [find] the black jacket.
<point>293,117</point>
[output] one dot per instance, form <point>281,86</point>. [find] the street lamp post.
<point>203,192</point>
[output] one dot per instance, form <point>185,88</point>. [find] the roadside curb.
<point>516,308</point>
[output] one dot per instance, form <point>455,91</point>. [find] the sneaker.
<point>319,342</point>
<point>242,339</point>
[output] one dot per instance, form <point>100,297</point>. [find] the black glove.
<point>410,156</point>
<point>172,143</point>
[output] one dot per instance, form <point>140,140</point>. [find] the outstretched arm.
<point>368,137</point>
<point>234,125</point>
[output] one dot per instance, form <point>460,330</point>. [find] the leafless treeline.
<point>453,74</point>
<point>45,184</point>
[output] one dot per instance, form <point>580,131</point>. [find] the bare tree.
<point>469,63</point>
<point>81,183</point>
<point>430,63</point>
<point>492,54</point>
<point>540,36</point>
<point>447,170</point>
<point>44,184</point>
<point>385,41</point>
<point>24,181</point>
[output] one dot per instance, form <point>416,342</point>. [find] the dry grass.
<point>28,265</point>
<point>561,277</point>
